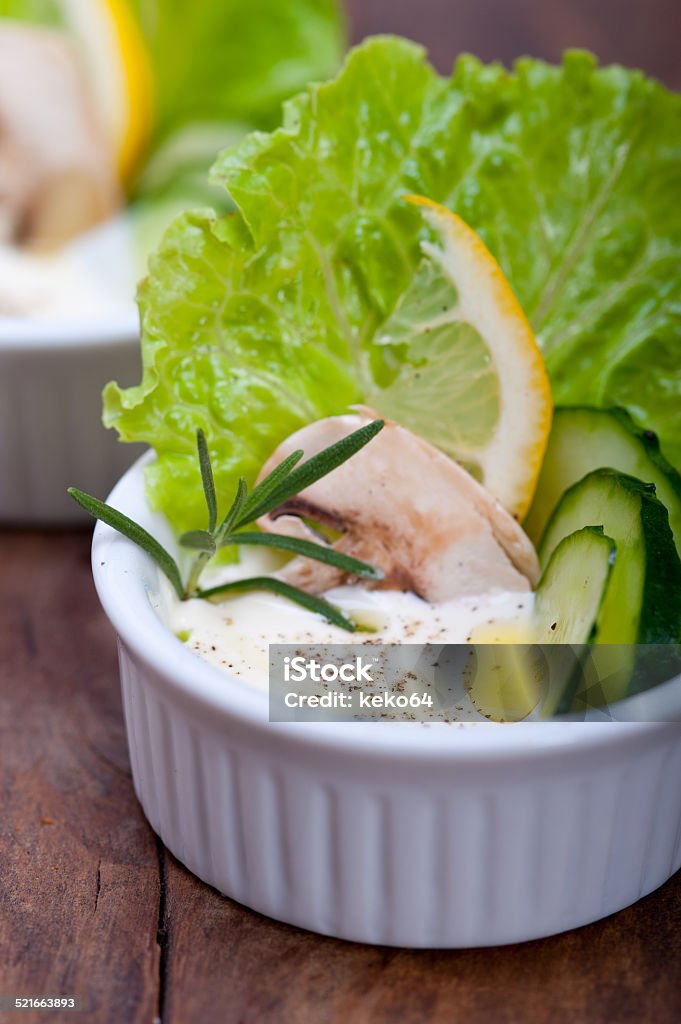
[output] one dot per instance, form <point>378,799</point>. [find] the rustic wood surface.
<point>91,903</point>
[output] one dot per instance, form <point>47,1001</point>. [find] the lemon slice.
<point>117,61</point>
<point>473,380</point>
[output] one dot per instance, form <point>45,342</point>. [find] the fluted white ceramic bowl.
<point>401,834</point>
<point>51,436</point>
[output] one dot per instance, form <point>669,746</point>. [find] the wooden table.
<point>92,904</point>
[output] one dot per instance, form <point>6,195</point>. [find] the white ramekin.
<point>51,436</point>
<point>400,834</point>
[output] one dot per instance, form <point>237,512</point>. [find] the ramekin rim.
<point>122,573</point>
<point>25,334</point>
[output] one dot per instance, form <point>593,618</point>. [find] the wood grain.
<point>91,904</point>
<point>79,880</point>
<point>627,968</point>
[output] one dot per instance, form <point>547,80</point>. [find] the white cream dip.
<point>234,635</point>
<point>93,275</point>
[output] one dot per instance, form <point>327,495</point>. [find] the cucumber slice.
<point>506,681</point>
<point>568,600</point>
<point>642,603</point>
<point>572,588</point>
<point>584,439</point>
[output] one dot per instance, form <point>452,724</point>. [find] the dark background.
<point>644,34</point>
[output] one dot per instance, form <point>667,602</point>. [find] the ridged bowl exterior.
<point>51,433</point>
<point>398,834</point>
<point>424,854</point>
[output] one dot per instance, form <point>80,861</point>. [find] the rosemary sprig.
<point>301,597</point>
<point>137,534</point>
<point>207,480</point>
<point>285,481</point>
<point>308,548</point>
<point>313,469</point>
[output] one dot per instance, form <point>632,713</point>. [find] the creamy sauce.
<point>93,275</point>
<point>235,634</point>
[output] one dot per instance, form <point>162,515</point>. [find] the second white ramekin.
<point>51,434</point>
<point>401,834</point>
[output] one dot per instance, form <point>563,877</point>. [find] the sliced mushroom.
<point>406,508</point>
<point>57,171</point>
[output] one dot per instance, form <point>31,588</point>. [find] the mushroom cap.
<point>57,173</point>
<point>406,508</point>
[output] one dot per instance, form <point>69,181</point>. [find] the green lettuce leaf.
<point>39,12</point>
<point>230,60</point>
<point>222,68</point>
<point>258,322</point>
